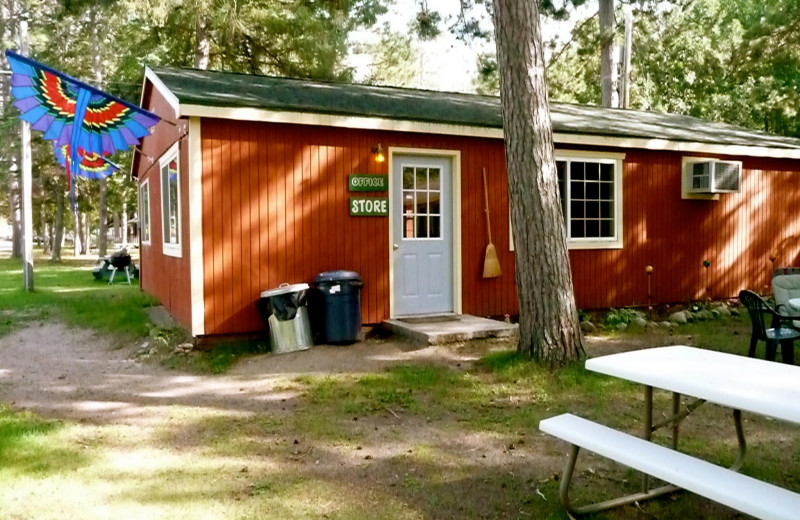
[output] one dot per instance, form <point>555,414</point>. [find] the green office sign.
<point>368,182</point>
<point>369,207</point>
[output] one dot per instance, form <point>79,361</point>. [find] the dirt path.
<point>77,374</point>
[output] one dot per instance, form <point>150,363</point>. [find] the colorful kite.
<point>89,122</point>
<point>92,166</point>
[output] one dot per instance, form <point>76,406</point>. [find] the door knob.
<point>395,247</point>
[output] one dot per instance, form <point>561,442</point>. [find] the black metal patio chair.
<point>772,335</point>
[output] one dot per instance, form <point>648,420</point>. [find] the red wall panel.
<point>165,277</point>
<point>275,210</point>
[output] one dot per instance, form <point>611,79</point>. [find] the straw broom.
<point>491,265</point>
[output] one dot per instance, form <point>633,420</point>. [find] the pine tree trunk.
<point>76,233</point>
<point>58,226</point>
<point>15,207</point>
<point>86,239</point>
<point>124,224</point>
<point>82,231</point>
<point>202,45</point>
<point>97,66</point>
<point>117,238</point>
<point>15,216</point>
<point>549,330</point>
<point>46,243</point>
<point>608,58</point>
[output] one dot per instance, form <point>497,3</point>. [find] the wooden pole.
<point>27,181</point>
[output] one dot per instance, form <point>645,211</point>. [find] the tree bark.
<point>46,242</point>
<point>117,238</point>
<point>86,237</point>
<point>58,238</point>
<point>97,67</point>
<point>548,319</point>
<point>76,232</point>
<point>14,209</point>
<point>202,45</point>
<point>82,231</point>
<point>608,58</point>
<point>124,223</point>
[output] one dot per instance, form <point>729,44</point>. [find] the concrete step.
<point>437,330</point>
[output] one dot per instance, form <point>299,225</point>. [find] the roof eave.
<point>398,125</point>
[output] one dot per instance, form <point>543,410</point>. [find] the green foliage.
<point>733,61</point>
<point>616,316</point>
<point>394,59</point>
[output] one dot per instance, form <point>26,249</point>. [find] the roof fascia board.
<point>676,146</point>
<point>171,98</point>
<point>341,121</point>
<point>134,173</point>
<point>375,123</point>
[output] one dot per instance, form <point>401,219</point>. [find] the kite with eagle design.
<point>85,124</point>
<point>91,165</point>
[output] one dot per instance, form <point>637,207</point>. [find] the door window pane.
<point>433,178</point>
<point>422,179</point>
<point>422,203</point>
<point>408,227</point>
<point>422,227</point>
<point>433,203</point>
<point>435,231</point>
<point>408,178</point>
<point>408,202</point>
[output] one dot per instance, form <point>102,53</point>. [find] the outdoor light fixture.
<point>378,151</point>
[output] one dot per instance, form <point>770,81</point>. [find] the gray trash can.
<point>284,313</point>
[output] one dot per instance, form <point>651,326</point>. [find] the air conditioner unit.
<point>712,176</point>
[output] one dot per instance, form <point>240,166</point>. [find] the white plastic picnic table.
<point>737,382</point>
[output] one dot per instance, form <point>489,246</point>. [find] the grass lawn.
<point>416,441</point>
<point>66,291</point>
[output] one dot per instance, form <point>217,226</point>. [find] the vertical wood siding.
<point>736,234</point>
<point>165,277</point>
<point>275,210</point>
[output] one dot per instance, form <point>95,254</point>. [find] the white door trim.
<point>455,157</point>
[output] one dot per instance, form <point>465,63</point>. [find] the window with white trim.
<point>144,212</point>
<point>170,202</point>
<point>590,184</point>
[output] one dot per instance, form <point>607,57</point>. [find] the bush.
<point>617,316</point>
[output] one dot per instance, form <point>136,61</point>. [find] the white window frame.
<point>144,188</point>
<point>616,159</point>
<point>169,248</point>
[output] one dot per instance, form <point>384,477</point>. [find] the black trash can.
<point>335,307</point>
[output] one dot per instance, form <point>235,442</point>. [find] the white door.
<point>423,235</point>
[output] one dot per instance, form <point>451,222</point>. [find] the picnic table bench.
<point>736,382</point>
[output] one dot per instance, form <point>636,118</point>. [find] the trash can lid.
<point>285,288</point>
<point>338,276</point>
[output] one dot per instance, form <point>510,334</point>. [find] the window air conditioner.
<point>712,176</point>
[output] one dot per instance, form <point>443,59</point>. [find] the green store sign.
<point>369,207</point>
<point>368,182</point>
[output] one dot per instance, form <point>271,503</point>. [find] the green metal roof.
<point>222,89</point>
